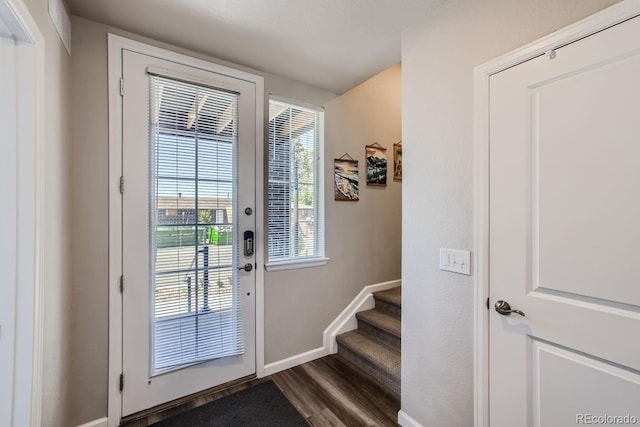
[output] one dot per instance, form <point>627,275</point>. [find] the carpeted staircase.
<point>374,347</point>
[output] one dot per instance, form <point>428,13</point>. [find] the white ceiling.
<point>330,44</point>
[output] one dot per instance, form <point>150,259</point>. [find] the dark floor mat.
<point>262,405</point>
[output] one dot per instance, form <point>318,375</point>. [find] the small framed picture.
<point>345,178</point>
<point>397,162</point>
<point>376,165</point>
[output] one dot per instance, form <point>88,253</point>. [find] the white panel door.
<point>189,176</point>
<point>565,235</point>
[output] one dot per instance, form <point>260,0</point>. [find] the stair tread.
<point>391,296</point>
<point>382,321</point>
<point>380,355</point>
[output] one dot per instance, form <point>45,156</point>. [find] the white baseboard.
<point>102,422</point>
<point>296,360</point>
<point>346,321</point>
<point>405,420</point>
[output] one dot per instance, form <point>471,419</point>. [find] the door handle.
<point>504,308</point>
<point>247,267</point>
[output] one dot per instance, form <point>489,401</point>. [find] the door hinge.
<point>122,185</point>
<point>488,308</point>
<point>121,382</point>
<point>121,87</point>
<point>121,284</point>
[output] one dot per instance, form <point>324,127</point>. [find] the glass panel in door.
<point>195,303</point>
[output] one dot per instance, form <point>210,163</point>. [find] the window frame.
<point>319,259</point>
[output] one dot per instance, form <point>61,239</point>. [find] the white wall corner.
<point>405,420</point>
<point>346,321</point>
<point>102,422</point>
<point>61,22</point>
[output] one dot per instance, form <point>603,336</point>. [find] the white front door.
<point>188,202</point>
<point>565,235</point>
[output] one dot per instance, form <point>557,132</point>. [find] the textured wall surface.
<point>438,58</point>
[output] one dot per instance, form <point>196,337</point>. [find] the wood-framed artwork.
<point>376,164</point>
<point>345,179</point>
<point>397,161</point>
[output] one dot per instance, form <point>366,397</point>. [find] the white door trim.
<point>597,22</point>
<point>115,46</point>
<point>29,179</point>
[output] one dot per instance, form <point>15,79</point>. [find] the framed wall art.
<point>397,161</point>
<point>345,178</point>
<point>376,164</point>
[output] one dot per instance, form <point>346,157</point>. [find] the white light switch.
<point>455,260</point>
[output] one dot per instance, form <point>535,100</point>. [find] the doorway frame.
<point>115,46</point>
<point>29,101</point>
<point>599,21</point>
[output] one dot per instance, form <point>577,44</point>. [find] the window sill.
<point>295,264</point>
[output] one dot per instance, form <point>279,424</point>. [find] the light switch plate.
<point>456,261</point>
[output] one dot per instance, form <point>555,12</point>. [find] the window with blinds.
<point>295,215</point>
<point>196,305</point>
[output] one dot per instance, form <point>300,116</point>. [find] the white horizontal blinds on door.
<point>294,215</point>
<point>196,304</point>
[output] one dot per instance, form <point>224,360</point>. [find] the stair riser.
<point>374,348</point>
<point>380,334</point>
<point>389,384</point>
<point>388,308</point>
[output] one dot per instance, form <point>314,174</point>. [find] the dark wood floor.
<point>326,391</point>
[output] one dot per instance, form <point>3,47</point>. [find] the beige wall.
<point>298,304</point>
<point>90,269</point>
<point>362,238</point>
<point>438,59</point>
<point>55,265</point>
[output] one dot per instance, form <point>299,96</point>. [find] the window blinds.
<point>196,305</point>
<point>294,213</point>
